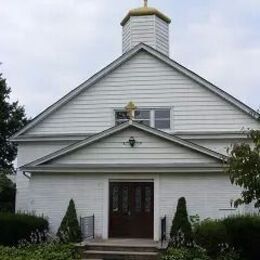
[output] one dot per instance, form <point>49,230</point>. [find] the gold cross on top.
<point>145,3</point>
<point>130,109</point>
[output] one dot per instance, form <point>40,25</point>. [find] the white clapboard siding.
<point>162,35</point>
<point>207,195</point>
<point>151,150</point>
<point>148,29</point>
<point>86,191</point>
<point>149,83</point>
<point>28,152</point>
<point>219,146</point>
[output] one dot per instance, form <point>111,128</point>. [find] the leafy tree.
<point>69,230</point>
<point>12,119</point>
<point>7,194</point>
<point>244,169</point>
<point>181,231</point>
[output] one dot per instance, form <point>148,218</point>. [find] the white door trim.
<point>129,178</point>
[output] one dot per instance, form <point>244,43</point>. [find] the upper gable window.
<point>159,118</point>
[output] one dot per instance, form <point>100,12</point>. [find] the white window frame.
<point>152,115</point>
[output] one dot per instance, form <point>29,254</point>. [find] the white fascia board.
<point>158,168</point>
<point>186,135</point>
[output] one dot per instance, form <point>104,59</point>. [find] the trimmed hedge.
<point>244,235</point>
<point>69,230</point>
<point>211,235</point>
<point>7,194</point>
<point>16,227</point>
<point>240,232</point>
<point>181,231</point>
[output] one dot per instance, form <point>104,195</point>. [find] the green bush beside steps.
<point>241,233</point>
<point>232,238</point>
<point>17,227</point>
<point>235,237</point>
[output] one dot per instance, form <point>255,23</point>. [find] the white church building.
<point>127,143</point>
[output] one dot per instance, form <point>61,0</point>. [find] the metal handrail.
<point>87,226</point>
<point>163,229</point>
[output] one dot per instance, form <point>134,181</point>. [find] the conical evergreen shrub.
<point>181,231</point>
<point>69,230</point>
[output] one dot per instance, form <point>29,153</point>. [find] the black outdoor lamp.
<point>132,142</point>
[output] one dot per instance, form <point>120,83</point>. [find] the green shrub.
<point>16,227</point>
<point>46,251</point>
<point>228,254</point>
<point>69,230</point>
<point>244,235</point>
<point>181,231</point>
<point>241,233</point>
<point>211,235</point>
<point>184,253</point>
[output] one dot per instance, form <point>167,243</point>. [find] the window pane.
<point>144,122</point>
<point>142,114</point>
<point>121,115</point>
<point>162,113</point>
<point>162,123</point>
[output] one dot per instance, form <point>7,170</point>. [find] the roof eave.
<point>126,168</point>
<point>145,12</point>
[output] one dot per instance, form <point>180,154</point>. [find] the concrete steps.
<point>120,255</point>
<point>128,250</point>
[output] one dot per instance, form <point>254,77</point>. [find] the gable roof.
<point>95,138</point>
<point>122,59</point>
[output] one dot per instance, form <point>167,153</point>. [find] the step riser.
<point>120,257</point>
<point>121,248</point>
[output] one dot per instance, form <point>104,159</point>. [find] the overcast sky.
<point>48,47</point>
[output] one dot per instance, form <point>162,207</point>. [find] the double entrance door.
<point>131,209</point>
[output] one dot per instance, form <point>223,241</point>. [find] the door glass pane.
<point>115,198</point>
<point>148,199</point>
<point>138,199</point>
<point>125,199</point>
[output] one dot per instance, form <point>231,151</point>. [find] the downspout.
<point>27,176</point>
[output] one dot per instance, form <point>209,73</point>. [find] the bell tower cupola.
<point>148,25</point>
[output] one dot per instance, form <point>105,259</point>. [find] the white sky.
<point>48,47</point>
